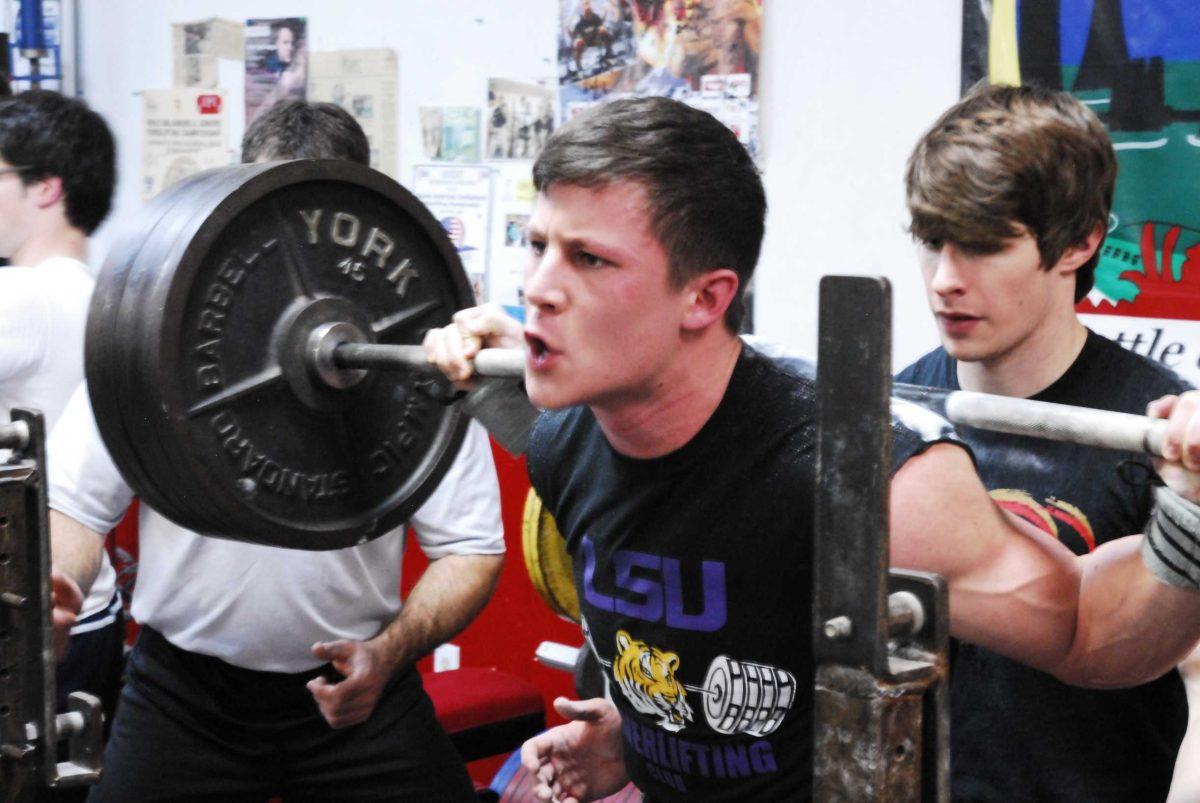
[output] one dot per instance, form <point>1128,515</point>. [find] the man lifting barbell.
<point>678,464</point>
<point>226,359</point>
<point>262,671</point>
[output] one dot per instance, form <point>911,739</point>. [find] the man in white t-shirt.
<point>265,672</point>
<point>56,186</point>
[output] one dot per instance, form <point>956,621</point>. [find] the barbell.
<point>253,363</point>
<point>228,343</point>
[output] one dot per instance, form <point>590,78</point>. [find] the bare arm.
<point>1185,785</point>
<point>75,553</point>
<point>75,550</point>
<point>450,594</point>
<point>1101,620</point>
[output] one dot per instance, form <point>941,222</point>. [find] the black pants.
<point>192,728</point>
<point>95,659</point>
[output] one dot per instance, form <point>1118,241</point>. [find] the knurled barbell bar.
<point>1036,419</point>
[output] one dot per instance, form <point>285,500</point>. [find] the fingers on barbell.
<point>1160,407</point>
<point>1175,410</point>
<point>491,324</point>
<point>1185,426</point>
<point>459,349</point>
<point>443,348</point>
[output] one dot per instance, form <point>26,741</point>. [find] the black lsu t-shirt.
<point>1021,735</point>
<point>694,573</point>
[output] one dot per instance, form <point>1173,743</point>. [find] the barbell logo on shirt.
<point>740,697</point>
<point>650,587</point>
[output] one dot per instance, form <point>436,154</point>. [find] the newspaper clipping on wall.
<point>276,62</point>
<point>520,117</point>
<point>366,84</point>
<point>184,131</point>
<point>196,46</point>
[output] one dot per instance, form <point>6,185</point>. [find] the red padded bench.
<point>486,712</point>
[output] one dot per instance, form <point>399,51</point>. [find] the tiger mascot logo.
<point>646,675</point>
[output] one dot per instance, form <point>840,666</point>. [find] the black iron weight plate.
<point>108,331</point>
<point>210,363</point>
<point>168,492</point>
<point>139,398</point>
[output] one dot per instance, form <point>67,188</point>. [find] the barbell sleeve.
<point>509,363</point>
<point>1037,419</point>
<point>14,435</point>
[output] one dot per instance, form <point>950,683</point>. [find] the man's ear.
<point>46,192</point>
<point>709,295</point>
<point>1074,257</point>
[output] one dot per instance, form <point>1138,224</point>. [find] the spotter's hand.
<point>366,672</point>
<point>67,600</point>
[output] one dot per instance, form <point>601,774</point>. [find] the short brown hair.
<point>706,201</point>
<point>297,129</point>
<point>1006,159</point>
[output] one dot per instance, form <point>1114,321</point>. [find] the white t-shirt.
<point>43,313</point>
<point>262,607</point>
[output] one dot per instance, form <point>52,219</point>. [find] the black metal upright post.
<point>30,726</point>
<point>880,704</point>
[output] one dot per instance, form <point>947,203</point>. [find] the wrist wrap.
<point>1171,549</point>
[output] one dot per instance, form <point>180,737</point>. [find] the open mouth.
<point>537,346</point>
<point>539,352</point>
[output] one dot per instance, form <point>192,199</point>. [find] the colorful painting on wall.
<point>1136,63</point>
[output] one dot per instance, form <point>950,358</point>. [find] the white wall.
<point>847,86</point>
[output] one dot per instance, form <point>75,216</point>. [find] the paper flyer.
<point>196,47</point>
<point>513,200</point>
<point>450,133</point>
<point>366,84</point>
<point>460,198</point>
<point>184,131</point>
<point>276,62</point>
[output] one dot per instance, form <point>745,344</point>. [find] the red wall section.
<point>516,620</point>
